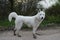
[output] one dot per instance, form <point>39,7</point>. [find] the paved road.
<point>27,35</point>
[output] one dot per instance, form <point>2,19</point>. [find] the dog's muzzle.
<point>42,18</point>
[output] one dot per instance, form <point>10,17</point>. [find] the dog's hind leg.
<point>18,27</point>
<point>17,33</point>
<point>14,32</point>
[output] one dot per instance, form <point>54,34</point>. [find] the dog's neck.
<point>38,19</point>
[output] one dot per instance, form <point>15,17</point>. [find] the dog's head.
<point>41,15</point>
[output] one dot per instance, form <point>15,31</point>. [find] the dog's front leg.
<point>34,32</point>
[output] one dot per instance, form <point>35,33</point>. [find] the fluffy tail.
<point>12,15</point>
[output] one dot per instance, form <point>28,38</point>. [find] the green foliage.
<point>6,23</point>
<point>53,14</point>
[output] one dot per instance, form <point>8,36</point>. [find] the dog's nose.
<point>42,18</point>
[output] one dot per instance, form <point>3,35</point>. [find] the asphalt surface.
<point>51,34</point>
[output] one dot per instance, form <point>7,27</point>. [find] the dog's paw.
<point>34,36</point>
<point>14,34</point>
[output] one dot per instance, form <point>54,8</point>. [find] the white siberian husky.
<point>31,21</point>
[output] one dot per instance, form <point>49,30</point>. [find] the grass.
<point>6,23</point>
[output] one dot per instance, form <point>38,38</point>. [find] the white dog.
<point>31,21</point>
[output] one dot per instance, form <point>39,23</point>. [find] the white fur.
<point>13,14</point>
<point>31,21</point>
